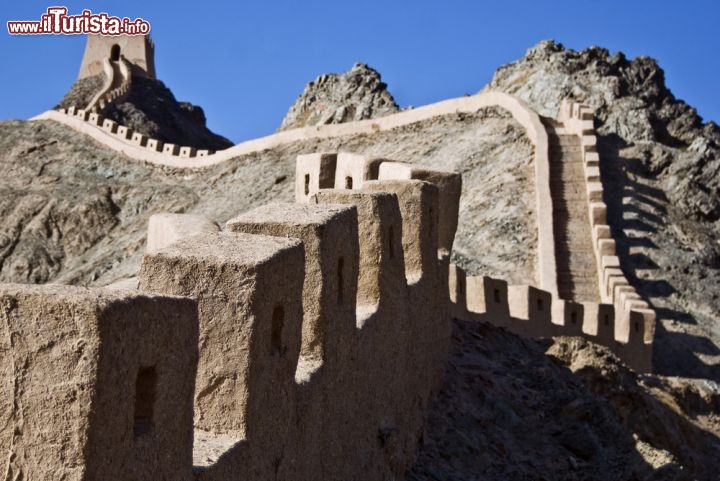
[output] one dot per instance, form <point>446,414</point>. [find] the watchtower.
<point>139,50</point>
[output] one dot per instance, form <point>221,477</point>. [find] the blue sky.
<point>246,62</point>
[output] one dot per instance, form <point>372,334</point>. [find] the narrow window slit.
<point>340,283</point>
<point>278,318</point>
<point>145,386</point>
<point>391,253</point>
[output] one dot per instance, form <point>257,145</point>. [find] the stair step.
<point>576,195</point>
<point>582,278</point>
<point>565,161</point>
<point>579,289</point>
<point>566,215</point>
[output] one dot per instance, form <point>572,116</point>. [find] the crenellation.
<point>249,298</point>
<point>568,317</point>
<point>105,381</point>
<point>312,173</point>
<point>294,331</point>
<point>329,234</point>
<point>96,119</point>
<point>139,139</point>
<point>155,145</point>
<point>594,191</point>
<point>592,174</point>
<point>171,149</point>
<point>488,296</point>
<point>598,213</point>
<point>82,114</point>
<point>449,185</point>
<point>605,247</point>
<point>110,126</point>
<point>418,203</point>
<point>381,264</point>
<point>531,310</point>
<point>319,326</point>
<point>187,152</point>
<point>124,133</point>
<point>589,143</point>
<point>599,322</point>
<point>592,159</point>
<point>352,170</point>
<point>457,287</point>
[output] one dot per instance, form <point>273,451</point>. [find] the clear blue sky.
<point>245,62</point>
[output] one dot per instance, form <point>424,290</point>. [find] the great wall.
<point>300,332</point>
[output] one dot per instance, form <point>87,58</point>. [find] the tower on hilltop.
<point>139,50</point>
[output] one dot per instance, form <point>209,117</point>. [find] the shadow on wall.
<point>637,213</point>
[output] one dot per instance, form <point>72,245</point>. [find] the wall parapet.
<point>531,312</point>
<point>130,139</point>
<point>521,112</point>
<point>330,300</point>
<point>321,326</point>
<point>615,289</point>
<point>116,73</point>
<point>95,383</point>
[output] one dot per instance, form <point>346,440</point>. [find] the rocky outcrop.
<point>632,103</point>
<point>509,411</point>
<point>82,92</point>
<point>489,148</point>
<point>357,94</point>
<point>76,212</point>
<point>660,165</point>
<point>151,109</point>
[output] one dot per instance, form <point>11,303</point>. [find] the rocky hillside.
<point>508,411</point>
<point>357,94</point>
<point>151,109</point>
<point>75,212</point>
<point>661,167</point>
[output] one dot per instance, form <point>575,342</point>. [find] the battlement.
<point>125,134</point>
<point>300,333</point>
<point>320,327</point>
<point>94,383</point>
<point>532,312</point>
<point>615,289</point>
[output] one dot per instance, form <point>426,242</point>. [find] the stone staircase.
<point>576,263</point>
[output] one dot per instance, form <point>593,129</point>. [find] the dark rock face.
<point>81,92</point>
<point>75,212</point>
<point>357,94</point>
<point>508,411</point>
<point>151,109</point>
<point>633,103</point>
